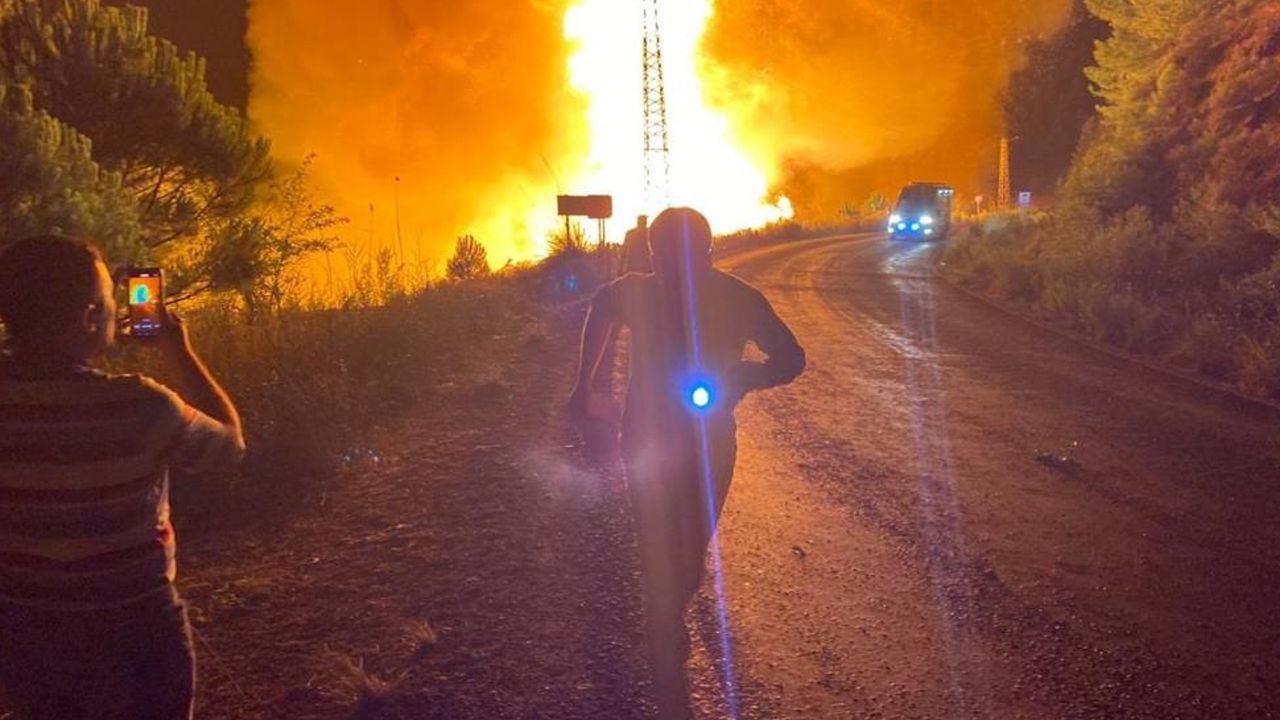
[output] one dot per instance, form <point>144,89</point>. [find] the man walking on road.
<point>690,324</point>
<point>90,625</point>
<point>635,248</point>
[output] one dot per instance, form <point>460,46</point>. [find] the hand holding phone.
<point>145,289</point>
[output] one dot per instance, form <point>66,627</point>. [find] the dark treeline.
<point>1049,101</point>
<point>1165,235</point>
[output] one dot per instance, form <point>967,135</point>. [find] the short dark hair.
<point>46,282</point>
<point>677,226</point>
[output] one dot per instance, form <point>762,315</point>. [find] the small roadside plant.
<point>470,260</point>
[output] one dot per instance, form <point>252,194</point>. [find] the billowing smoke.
<point>466,102</point>
<point>845,97</point>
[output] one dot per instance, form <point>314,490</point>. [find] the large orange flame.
<point>485,110</point>
<point>709,171</point>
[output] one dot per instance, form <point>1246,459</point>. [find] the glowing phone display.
<point>145,288</point>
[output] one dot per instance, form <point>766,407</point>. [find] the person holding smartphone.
<point>90,623</point>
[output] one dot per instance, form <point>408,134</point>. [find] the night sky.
<point>214,29</point>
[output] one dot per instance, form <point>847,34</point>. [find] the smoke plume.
<point>844,97</point>
<point>466,102</point>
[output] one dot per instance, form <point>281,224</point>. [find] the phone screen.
<point>145,295</point>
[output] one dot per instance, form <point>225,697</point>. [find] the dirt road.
<point>955,514</point>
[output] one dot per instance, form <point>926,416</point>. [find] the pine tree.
<point>187,159</point>
<point>1048,102</point>
<point>1122,165</point>
<point>50,183</point>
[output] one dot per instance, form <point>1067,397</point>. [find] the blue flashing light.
<point>902,226</point>
<point>915,226</point>
<point>700,395</point>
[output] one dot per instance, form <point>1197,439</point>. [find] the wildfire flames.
<point>485,111</point>
<point>709,170</point>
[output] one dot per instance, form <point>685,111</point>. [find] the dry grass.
<point>311,382</point>
<point>367,693</point>
<point>416,589</point>
<point>422,637</point>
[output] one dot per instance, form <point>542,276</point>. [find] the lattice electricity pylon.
<point>657,146</point>
<point>1004,189</point>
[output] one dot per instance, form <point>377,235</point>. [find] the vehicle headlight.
<point>926,220</point>
<point>894,219</point>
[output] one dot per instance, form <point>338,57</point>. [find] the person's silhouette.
<point>635,248</point>
<point>690,324</point>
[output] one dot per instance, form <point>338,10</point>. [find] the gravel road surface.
<point>956,514</point>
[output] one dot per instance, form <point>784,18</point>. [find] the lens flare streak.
<point>943,538</point>
<point>728,682</point>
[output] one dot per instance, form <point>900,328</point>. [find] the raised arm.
<point>595,335</point>
<point>785,359</point>
<point>195,384</point>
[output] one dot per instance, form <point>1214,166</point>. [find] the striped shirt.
<point>84,485</point>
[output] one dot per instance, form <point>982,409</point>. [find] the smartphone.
<point>146,296</point>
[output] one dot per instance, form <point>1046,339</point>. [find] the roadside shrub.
<point>1253,302</point>
<point>1257,363</point>
<point>568,276</point>
<point>979,253</point>
<point>1142,285</point>
<point>1204,346</point>
<point>571,243</point>
<point>470,260</point>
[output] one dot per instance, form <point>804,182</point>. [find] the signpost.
<point>1024,200</point>
<point>595,207</point>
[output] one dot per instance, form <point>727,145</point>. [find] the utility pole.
<point>399,241</point>
<point>657,147</point>
<point>1004,190</point>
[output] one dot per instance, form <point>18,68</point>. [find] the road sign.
<point>1024,200</point>
<point>596,207</point>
